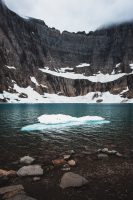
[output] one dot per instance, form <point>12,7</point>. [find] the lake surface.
<point>15,143</point>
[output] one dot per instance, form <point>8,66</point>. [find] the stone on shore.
<point>14,192</point>
<point>58,162</point>
<point>26,160</point>
<point>67,157</point>
<point>102,156</point>
<point>5,173</point>
<point>70,179</point>
<point>22,197</point>
<point>72,163</point>
<point>12,188</point>
<point>31,170</point>
<point>119,154</point>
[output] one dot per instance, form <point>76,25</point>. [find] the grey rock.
<point>21,197</point>
<point>66,157</point>
<point>119,154</point>
<point>72,162</point>
<point>70,179</point>
<point>8,189</point>
<point>31,170</point>
<point>102,156</point>
<point>26,160</point>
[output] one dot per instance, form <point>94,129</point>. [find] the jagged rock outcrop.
<point>29,44</point>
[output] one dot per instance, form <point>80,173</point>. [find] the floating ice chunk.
<point>57,121</point>
<point>60,118</point>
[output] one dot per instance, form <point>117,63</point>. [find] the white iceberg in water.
<point>57,121</point>
<point>62,119</point>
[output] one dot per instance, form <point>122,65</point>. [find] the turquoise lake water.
<point>13,117</point>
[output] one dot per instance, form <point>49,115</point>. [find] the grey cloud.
<point>75,15</point>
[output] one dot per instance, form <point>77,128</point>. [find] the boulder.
<point>70,179</point>
<point>26,160</point>
<point>31,170</point>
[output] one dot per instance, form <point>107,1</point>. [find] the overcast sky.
<point>75,15</point>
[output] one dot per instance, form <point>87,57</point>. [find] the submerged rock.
<point>36,179</point>
<point>70,179</point>
<point>22,197</point>
<point>119,154</point>
<point>26,160</point>
<point>31,170</point>
<point>106,151</point>
<point>66,167</point>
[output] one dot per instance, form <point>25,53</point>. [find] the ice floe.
<point>61,121</point>
<point>60,118</point>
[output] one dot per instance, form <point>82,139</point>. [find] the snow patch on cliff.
<point>10,67</point>
<point>35,97</point>
<point>102,78</point>
<point>83,65</point>
<point>33,80</point>
<point>117,65</point>
<point>131,66</point>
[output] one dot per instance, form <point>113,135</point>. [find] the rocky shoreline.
<point>101,174</point>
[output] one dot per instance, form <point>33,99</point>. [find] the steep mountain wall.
<point>29,44</point>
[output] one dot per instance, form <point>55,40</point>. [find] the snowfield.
<point>102,78</point>
<point>35,97</point>
<point>29,95</point>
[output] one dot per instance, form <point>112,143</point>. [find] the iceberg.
<point>62,119</point>
<point>56,121</point>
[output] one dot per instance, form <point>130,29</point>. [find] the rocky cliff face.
<point>26,45</point>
